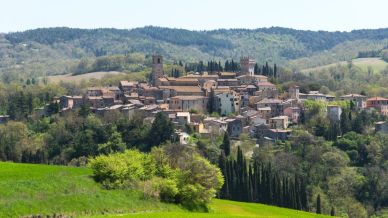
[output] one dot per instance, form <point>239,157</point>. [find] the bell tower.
<point>247,65</point>
<point>157,68</point>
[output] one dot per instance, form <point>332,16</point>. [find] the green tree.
<point>84,110</point>
<point>161,130</point>
<point>114,144</point>
<point>318,205</point>
<point>345,121</point>
<point>225,146</point>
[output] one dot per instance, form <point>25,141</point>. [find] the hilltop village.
<point>232,102</point>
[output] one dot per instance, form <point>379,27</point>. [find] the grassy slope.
<point>40,189</point>
<point>227,209</point>
<point>376,63</point>
<point>27,189</point>
<point>341,52</point>
<point>79,78</point>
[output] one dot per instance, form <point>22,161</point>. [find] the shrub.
<point>168,190</point>
<point>198,181</point>
<point>122,169</point>
<point>172,174</point>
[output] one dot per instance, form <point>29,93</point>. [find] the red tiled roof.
<point>377,99</point>
<point>264,84</point>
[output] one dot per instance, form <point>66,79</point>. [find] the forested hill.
<point>53,50</point>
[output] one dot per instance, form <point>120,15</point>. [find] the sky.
<point>331,15</point>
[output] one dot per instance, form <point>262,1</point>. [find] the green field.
<point>27,189</point>
<point>79,78</point>
<point>376,63</point>
<point>227,209</point>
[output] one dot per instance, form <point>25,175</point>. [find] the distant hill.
<point>33,189</point>
<point>376,64</point>
<point>50,51</point>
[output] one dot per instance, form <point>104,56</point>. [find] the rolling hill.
<point>28,189</point>
<point>52,51</point>
<point>363,63</point>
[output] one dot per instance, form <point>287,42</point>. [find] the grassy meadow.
<point>79,78</point>
<point>226,209</point>
<point>377,65</point>
<point>28,189</point>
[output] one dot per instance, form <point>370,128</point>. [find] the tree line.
<point>230,66</point>
<point>75,136</point>
<point>256,182</point>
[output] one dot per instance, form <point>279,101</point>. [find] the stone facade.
<point>247,66</point>
<point>186,103</point>
<point>157,69</point>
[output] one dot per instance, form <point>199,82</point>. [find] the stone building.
<point>187,103</point>
<point>226,103</point>
<point>334,113</point>
<point>293,92</point>
<point>382,127</point>
<point>280,122</point>
<point>157,69</point>
<point>358,100</point>
<point>247,66</point>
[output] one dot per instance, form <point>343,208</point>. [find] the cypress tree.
<point>332,212</point>
<point>270,185</point>
<point>275,70</point>
<point>319,211</point>
<point>244,182</point>
<point>250,184</point>
<point>297,193</point>
<point>224,192</point>
<point>345,122</point>
<point>284,193</point>
<point>229,165</point>
<point>292,195</point>
<point>303,191</point>
<point>225,146</point>
<point>351,105</point>
<point>235,180</point>
<point>226,66</point>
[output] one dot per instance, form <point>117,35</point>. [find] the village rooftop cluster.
<point>245,102</point>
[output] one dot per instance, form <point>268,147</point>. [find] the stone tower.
<point>247,65</point>
<point>157,69</point>
<point>294,92</point>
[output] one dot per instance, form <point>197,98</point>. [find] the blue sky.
<point>343,15</point>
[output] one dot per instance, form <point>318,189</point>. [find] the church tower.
<point>157,69</point>
<point>247,65</point>
<point>293,92</point>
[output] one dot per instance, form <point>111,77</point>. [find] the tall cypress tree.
<point>224,193</point>
<point>303,191</point>
<point>319,211</point>
<point>225,146</point>
<point>345,122</point>
<point>256,69</point>
<point>275,70</point>
<point>332,212</point>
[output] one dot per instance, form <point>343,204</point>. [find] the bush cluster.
<point>169,174</point>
